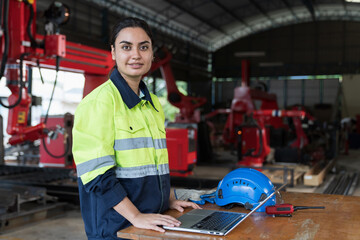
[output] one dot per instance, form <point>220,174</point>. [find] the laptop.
<point>214,222</point>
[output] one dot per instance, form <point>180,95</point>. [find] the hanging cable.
<point>38,65</point>
<point>52,94</point>
<point>51,99</point>
<point>67,148</point>
<point>34,43</point>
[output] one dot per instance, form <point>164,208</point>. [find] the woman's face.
<point>132,52</point>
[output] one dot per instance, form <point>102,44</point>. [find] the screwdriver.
<point>286,209</point>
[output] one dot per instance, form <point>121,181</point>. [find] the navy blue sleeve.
<point>108,188</point>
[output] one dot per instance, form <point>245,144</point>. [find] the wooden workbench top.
<point>339,220</point>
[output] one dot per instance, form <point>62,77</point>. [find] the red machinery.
<point>181,135</point>
<point>55,150</point>
<point>181,144</point>
<point>188,105</point>
<point>253,139</point>
<point>246,127</point>
<point>23,47</point>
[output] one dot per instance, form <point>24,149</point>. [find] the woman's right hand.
<point>153,221</point>
<point>144,220</point>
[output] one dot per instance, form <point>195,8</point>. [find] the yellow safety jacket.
<point>119,148</point>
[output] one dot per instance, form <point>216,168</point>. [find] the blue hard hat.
<point>245,186</point>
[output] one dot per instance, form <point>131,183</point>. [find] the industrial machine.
<point>55,150</point>
<point>182,134</point>
<point>188,105</point>
<point>24,49</point>
<point>255,124</point>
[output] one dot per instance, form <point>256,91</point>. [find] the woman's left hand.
<point>180,205</point>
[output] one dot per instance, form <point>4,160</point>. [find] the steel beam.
<point>225,9</point>
<point>201,19</point>
<point>286,3</point>
<point>154,20</point>
<point>261,9</point>
<point>310,6</point>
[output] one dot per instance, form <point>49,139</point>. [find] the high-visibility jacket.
<point>119,148</point>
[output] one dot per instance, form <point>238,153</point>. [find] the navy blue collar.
<point>127,94</point>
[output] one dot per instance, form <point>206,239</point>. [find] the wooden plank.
<point>301,189</point>
<point>316,175</point>
<point>276,175</point>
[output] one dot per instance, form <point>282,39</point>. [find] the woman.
<point>120,144</point>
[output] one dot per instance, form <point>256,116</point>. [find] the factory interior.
<point>249,85</point>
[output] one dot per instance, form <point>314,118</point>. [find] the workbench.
<point>339,220</point>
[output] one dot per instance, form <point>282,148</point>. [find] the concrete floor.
<point>70,226</point>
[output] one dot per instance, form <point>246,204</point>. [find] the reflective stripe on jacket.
<point>119,151</point>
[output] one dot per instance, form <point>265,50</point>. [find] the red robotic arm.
<point>186,104</point>
<point>21,48</point>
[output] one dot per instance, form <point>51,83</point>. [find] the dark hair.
<point>130,22</point>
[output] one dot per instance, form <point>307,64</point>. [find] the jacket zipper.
<point>157,170</point>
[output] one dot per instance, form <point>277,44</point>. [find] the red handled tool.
<point>285,210</point>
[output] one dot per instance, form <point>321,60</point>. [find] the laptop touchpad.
<point>193,217</point>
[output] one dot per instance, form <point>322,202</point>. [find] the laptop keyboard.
<point>216,221</point>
